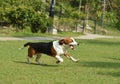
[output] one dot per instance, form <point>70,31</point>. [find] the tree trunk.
<point>95,24</point>
<point>103,12</point>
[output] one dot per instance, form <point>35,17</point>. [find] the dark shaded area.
<point>114,74</point>
<point>47,65</point>
<point>113,58</point>
<point>101,64</point>
<point>106,65</point>
<point>3,23</point>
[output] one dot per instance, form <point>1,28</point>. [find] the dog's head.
<point>68,41</point>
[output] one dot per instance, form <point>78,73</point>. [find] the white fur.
<point>58,48</point>
<point>59,58</point>
<point>73,59</point>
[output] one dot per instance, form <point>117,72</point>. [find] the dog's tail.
<point>25,45</point>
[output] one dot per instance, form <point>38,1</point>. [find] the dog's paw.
<point>58,62</point>
<point>77,60</point>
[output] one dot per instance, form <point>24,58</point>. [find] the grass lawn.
<point>99,64</point>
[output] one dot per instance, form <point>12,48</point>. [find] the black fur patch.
<point>42,47</point>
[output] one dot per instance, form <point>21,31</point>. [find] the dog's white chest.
<point>59,49</point>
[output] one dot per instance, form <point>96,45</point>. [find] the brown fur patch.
<point>53,52</point>
<point>68,40</point>
<point>31,52</point>
<point>65,41</point>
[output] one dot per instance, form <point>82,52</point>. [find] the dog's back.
<point>40,47</point>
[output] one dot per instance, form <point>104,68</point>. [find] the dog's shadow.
<point>47,65</point>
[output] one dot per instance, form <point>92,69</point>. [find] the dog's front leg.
<point>70,57</point>
<point>73,59</point>
<point>59,59</point>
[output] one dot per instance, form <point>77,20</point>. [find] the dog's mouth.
<point>72,47</point>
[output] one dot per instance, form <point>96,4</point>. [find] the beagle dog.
<point>54,49</point>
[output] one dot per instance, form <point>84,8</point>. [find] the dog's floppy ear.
<point>61,42</point>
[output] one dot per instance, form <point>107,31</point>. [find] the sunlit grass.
<point>99,64</point>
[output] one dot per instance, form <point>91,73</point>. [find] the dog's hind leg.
<point>28,61</point>
<point>38,58</point>
<point>31,53</point>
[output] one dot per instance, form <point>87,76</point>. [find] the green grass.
<point>99,64</point>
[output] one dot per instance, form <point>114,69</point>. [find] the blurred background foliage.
<point>70,15</point>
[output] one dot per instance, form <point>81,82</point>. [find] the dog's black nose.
<point>78,44</point>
